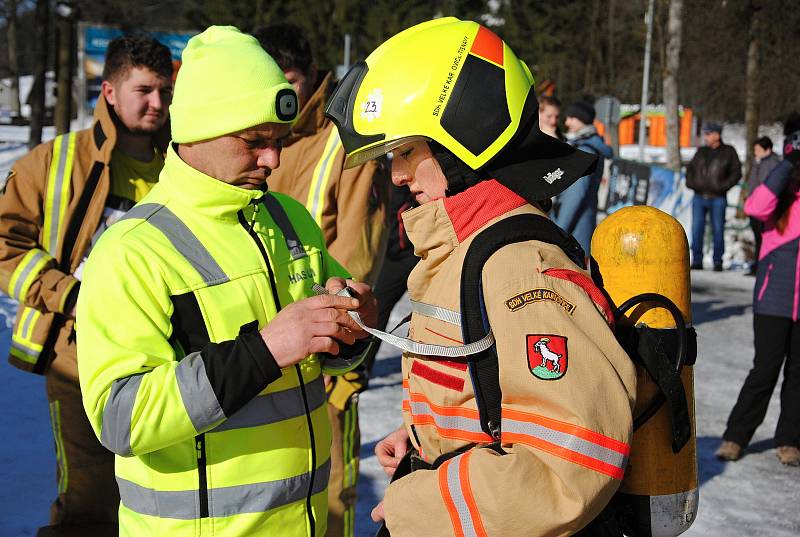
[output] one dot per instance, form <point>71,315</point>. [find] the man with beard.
<point>58,199</point>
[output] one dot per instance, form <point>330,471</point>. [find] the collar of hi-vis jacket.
<point>438,227</point>
<point>312,117</point>
<point>201,193</point>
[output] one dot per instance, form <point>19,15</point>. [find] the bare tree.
<point>751,118</point>
<point>36,98</point>
<point>670,83</point>
<point>13,58</point>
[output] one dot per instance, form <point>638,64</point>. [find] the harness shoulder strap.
<point>483,366</point>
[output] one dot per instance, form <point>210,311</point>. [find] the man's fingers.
<point>323,344</point>
<point>333,301</point>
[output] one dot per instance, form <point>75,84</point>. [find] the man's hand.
<point>311,325</point>
<point>368,310</point>
<point>390,452</point>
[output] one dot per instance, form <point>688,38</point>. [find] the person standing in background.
<point>776,202</point>
<point>714,169</point>
<point>58,199</point>
<point>577,205</point>
<point>549,113</point>
<point>765,161</point>
<point>350,208</point>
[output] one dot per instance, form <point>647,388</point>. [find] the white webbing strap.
<point>415,347</point>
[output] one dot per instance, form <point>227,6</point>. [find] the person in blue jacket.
<point>577,205</point>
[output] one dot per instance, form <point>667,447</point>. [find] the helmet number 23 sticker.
<point>373,105</point>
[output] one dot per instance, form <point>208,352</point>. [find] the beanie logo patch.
<point>372,107</point>
<point>286,105</point>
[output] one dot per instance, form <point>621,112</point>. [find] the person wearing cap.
<point>714,169</point>
<point>577,205</point>
<point>776,319</point>
<point>462,128</point>
<point>198,325</point>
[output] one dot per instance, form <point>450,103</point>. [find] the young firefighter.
<point>58,199</point>
<point>457,109</point>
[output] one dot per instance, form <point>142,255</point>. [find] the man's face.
<point>548,117</point>
<point>303,83</point>
<point>573,124</point>
<point>711,138</point>
<point>244,159</point>
<point>759,152</point>
<point>140,98</point>
<point>414,166</point>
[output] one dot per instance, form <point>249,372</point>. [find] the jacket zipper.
<point>200,446</point>
<point>764,285</point>
<point>278,307</point>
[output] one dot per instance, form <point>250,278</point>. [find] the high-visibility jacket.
<point>568,388</point>
<point>349,205</point>
<point>51,207</point>
<point>211,437</point>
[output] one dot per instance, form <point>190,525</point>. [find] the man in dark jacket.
<point>713,171</point>
<point>766,160</point>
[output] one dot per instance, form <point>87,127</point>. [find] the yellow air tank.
<point>642,250</point>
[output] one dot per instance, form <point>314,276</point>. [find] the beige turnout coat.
<point>568,387</point>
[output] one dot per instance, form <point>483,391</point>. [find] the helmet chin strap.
<point>459,176</point>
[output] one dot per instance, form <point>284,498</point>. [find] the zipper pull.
<point>255,214</point>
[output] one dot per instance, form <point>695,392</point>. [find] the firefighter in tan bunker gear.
<point>466,143</point>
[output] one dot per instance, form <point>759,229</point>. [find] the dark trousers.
<point>88,498</point>
<point>714,207</point>
<point>776,339</point>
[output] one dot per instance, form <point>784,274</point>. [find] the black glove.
<point>791,147</point>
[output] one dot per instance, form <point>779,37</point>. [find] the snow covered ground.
<point>755,496</point>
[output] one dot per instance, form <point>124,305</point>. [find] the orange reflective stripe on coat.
<point>567,441</point>
<point>450,421</point>
<point>458,498</point>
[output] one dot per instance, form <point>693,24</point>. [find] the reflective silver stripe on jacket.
<point>55,215</point>
<point>457,493</point>
<point>22,276</point>
<point>198,396</point>
<point>223,501</point>
<point>444,421</point>
<point>282,221</point>
<point>276,407</point>
<point>182,238</point>
<point>566,441</point>
<point>116,433</point>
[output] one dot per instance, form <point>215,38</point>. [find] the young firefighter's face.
<point>414,166</point>
<point>140,98</point>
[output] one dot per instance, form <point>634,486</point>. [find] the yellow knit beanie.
<point>227,83</point>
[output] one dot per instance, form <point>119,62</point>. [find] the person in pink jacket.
<point>776,305</point>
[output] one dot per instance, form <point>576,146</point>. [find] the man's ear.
<point>107,89</point>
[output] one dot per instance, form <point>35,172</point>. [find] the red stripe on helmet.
<point>487,45</point>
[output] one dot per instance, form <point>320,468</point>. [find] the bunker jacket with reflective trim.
<point>52,205</point>
<point>349,205</point>
<point>211,437</point>
<point>568,388</point>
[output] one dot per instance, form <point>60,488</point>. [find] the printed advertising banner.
<point>93,41</point>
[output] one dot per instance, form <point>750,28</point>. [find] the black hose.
<point>680,326</point>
